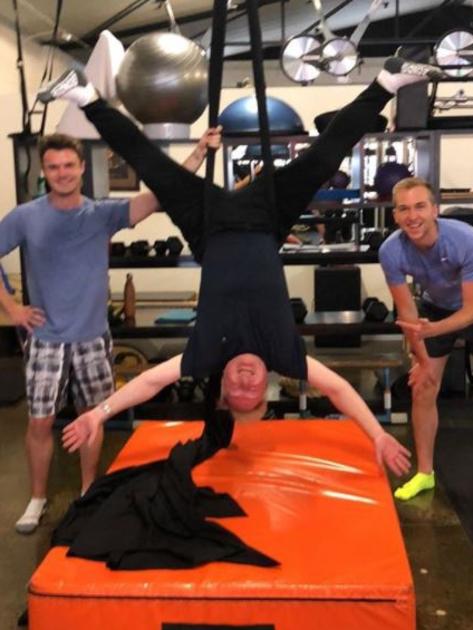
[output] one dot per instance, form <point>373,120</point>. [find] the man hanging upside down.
<point>244,326</point>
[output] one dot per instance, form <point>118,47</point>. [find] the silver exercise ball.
<point>163,78</point>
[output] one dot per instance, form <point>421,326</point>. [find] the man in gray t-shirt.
<point>438,254</point>
<point>64,239</point>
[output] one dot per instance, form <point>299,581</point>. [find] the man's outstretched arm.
<point>143,387</point>
<point>342,395</point>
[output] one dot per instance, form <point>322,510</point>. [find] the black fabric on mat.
<point>154,516</point>
<point>453,466</point>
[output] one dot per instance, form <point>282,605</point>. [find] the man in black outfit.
<point>244,325</point>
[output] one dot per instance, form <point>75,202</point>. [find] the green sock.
<point>418,483</point>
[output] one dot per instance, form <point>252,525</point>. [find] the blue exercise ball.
<point>339,179</point>
<point>240,118</point>
<point>387,175</point>
<point>163,79</point>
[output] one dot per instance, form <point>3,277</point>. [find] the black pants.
<point>181,193</point>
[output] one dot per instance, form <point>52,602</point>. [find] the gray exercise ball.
<point>163,78</point>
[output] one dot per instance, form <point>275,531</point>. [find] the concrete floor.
<point>440,554</point>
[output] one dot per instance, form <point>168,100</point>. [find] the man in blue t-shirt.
<point>438,254</point>
<point>64,239</point>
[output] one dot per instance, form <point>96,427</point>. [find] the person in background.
<point>438,254</point>
<point>64,238</point>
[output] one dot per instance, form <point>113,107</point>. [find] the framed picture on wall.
<point>121,176</point>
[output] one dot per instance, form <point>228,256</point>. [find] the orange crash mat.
<point>315,500</point>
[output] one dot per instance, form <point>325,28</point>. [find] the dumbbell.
<point>299,309</point>
<point>174,245</point>
<point>139,248</point>
<point>185,388</point>
<point>375,310</point>
<point>160,247</point>
<point>373,238</point>
<point>117,248</point>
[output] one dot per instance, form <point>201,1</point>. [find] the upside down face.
<point>244,382</point>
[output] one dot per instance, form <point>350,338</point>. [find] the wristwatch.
<point>105,407</point>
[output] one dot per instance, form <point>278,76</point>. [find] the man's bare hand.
<point>421,375</point>
<point>211,139</point>
<point>421,328</point>
<point>29,317</point>
<point>293,239</point>
<point>82,431</point>
<point>391,453</point>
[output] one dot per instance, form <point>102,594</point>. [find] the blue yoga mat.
<point>176,316</point>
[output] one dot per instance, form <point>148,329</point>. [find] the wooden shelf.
<point>329,258</point>
<point>319,323</point>
<point>299,257</point>
<point>143,262</point>
<point>456,198</point>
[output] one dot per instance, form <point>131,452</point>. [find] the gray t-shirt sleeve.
<point>115,214</point>
<point>390,258</point>
<point>11,231</point>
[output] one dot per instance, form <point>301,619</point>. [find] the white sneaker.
<point>29,521</point>
<point>72,85</point>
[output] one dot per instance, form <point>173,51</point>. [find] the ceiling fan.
<point>303,57</point>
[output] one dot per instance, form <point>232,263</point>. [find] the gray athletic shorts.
<point>51,367</point>
<point>442,345</point>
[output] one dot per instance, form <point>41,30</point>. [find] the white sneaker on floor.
<point>29,521</point>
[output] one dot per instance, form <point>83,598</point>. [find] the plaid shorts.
<point>51,367</point>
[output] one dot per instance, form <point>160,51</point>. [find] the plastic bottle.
<point>129,301</point>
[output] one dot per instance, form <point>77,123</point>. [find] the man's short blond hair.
<point>412,182</point>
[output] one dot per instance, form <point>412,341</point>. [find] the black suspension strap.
<point>48,69</point>
<point>26,121</point>
<point>215,85</point>
<point>217,46</point>
<point>260,90</point>
<point>26,124</point>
